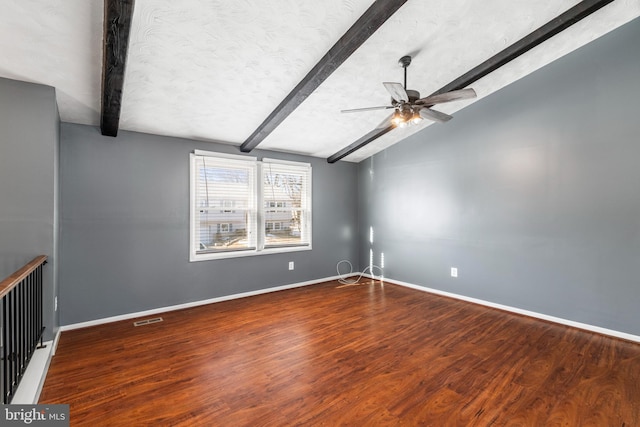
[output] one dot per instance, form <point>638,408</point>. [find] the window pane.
<point>223,232</point>
<point>284,229</point>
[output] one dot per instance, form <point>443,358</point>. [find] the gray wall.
<point>29,141</point>
<point>125,227</point>
<point>532,193</point>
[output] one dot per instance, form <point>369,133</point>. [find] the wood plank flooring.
<point>328,354</point>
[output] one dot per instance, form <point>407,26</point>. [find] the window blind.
<point>286,199</point>
<point>225,204</point>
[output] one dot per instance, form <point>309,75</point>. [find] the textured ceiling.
<point>214,69</point>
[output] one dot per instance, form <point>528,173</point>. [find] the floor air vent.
<point>147,321</point>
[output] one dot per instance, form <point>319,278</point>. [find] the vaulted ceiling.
<point>214,70</point>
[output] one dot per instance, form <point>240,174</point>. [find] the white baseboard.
<point>559,320</point>
<point>28,391</point>
<point>56,340</point>
<point>190,304</point>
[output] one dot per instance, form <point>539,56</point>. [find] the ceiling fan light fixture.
<point>397,118</point>
<point>406,115</point>
<point>416,119</point>
<point>406,112</point>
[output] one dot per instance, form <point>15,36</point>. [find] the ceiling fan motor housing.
<point>413,95</point>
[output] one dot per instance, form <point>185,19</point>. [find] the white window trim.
<point>260,220</point>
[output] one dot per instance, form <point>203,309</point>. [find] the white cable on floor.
<point>343,277</point>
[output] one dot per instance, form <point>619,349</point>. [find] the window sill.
<point>193,257</point>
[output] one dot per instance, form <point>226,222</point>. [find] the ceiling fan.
<point>409,107</point>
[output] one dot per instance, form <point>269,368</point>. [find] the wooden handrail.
<point>10,282</point>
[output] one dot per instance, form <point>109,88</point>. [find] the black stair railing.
<point>21,323</point>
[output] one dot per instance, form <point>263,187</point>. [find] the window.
<point>240,206</point>
<point>217,185</point>
<point>287,189</point>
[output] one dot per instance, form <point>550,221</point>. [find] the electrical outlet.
<point>290,265</point>
<point>454,272</point>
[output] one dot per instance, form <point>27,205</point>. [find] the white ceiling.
<point>213,70</point>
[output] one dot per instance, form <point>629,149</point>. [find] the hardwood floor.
<point>328,354</point>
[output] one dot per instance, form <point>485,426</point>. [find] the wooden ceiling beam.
<point>364,27</point>
<point>525,44</point>
<point>118,16</point>
<point>355,146</point>
<point>528,42</point>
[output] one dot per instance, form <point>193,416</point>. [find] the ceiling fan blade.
<point>454,95</point>
<point>437,116</point>
<point>397,92</point>
<point>356,110</point>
